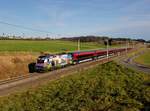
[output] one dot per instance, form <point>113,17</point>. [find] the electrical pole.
<point>47,35</point>
<point>133,44</point>
<point>3,34</point>
<point>23,35</point>
<point>126,46</point>
<point>78,44</point>
<point>107,49</point>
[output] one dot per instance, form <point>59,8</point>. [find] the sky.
<point>59,18</point>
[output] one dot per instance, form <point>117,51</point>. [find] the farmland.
<point>144,59</point>
<point>43,46</point>
<point>104,87</point>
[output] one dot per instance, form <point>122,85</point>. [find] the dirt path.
<point>129,62</point>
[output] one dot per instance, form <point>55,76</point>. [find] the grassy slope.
<point>37,46</point>
<point>104,87</point>
<point>144,58</point>
<point>12,65</point>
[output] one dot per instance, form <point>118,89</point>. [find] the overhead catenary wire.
<point>23,27</point>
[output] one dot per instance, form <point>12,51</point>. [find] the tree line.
<point>90,38</point>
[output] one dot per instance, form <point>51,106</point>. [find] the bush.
<point>102,88</point>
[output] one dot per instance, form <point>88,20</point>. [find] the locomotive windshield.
<point>40,61</point>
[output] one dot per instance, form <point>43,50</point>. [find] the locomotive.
<point>50,62</point>
<point>54,61</point>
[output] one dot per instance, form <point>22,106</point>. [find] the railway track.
<point>21,83</point>
<point>6,81</point>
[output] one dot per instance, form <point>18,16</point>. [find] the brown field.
<point>13,65</point>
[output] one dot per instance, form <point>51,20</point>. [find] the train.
<point>50,62</point>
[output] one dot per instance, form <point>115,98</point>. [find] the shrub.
<point>107,87</point>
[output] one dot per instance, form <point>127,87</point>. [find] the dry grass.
<point>12,65</point>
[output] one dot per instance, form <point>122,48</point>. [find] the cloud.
<point>79,17</point>
<point>134,21</point>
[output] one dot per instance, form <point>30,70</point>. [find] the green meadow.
<point>45,46</point>
<point>50,46</point>
<point>144,58</point>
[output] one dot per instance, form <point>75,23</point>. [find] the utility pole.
<point>47,35</point>
<point>23,35</point>
<point>132,44</point>
<point>107,49</point>
<point>78,44</point>
<point>3,34</point>
<point>126,46</point>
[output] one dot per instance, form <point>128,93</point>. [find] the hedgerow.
<point>107,87</point>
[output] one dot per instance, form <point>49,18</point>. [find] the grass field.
<point>44,46</point>
<point>144,58</point>
<point>38,46</point>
